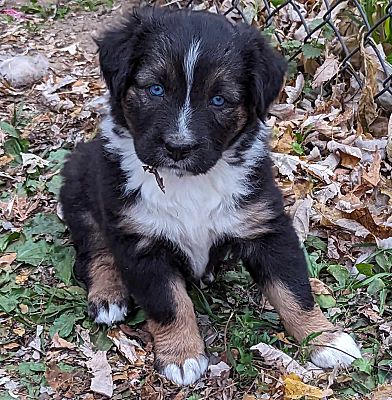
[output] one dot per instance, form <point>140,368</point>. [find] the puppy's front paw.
<point>335,349</point>
<point>108,307</point>
<point>108,313</point>
<point>179,352</point>
<point>184,373</point>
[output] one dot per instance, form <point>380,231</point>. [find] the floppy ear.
<point>266,68</point>
<point>119,50</point>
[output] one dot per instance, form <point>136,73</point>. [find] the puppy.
<point>179,172</point>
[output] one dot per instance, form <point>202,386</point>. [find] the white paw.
<point>341,351</point>
<point>114,313</point>
<point>187,373</point>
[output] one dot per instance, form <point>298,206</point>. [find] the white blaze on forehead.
<point>189,69</point>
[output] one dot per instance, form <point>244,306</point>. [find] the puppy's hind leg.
<point>277,263</point>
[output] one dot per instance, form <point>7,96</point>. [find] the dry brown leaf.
<point>56,378</point>
<point>180,396</point>
<point>382,393</point>
<point>11,346</point>
<point>249,397</point>
<point>349,155</point>
<point>59,343</point>
<point>286,164</point>
<point>286,112</point>
<point>326,71</point>
<point>150,392</point>
<point>372,312</point>
<point>129,348</point>
<point>219,370</point>
<point>141,335</point>
<point>301,212</point>
<point>372,175</point>
<point>367,107</point>
<point>319,287</point>
<point>7,259</point>
<point>19,331</point>
<point>24,309</point>
<point>302,188</point>
<point>23,207</point>
<point>6,159</point>
<point>283,144</point>
<point>327,193</point>
<point>102,381</point>
<point>389,143</point>
<point>276,358</point>
<point>294,92</point>
<point>365,218</point>
<point>294,388</point>
<point>21,279</point>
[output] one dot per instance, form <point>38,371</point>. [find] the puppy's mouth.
<point>180,168</point>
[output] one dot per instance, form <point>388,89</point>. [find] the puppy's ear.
<point>266,69</point>
<point>119,49</point>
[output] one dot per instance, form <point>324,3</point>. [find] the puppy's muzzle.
<point>178,152</point>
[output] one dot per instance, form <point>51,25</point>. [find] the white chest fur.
<point>195,211</point>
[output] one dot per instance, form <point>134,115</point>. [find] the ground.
<point>333,164</point>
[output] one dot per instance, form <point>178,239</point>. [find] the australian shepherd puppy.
<point>179,173</point>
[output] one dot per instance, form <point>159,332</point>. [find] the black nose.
<point>178,152</point>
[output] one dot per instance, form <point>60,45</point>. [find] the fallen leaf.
<point>382,393</point>
<point>286,164</point>
<point>365,218</point>
<point>294,388</point>
<point>19,331</point>
<point>21,279</point>
<point>319,287</point>
<point>294,92</point>
<point>372,174</point>
<point>6,159</point>
<point>301,212</point>
<point>56,378</point>
<point>349,155</point>
<point>24,309</point>
<point>283,144</point>
<point>367,107</point>
<point>35,344</point>
<point>326,71</point>
<point>275,357</point>
<point>180,396</point>
<point>7,259</point>
<point>328,192</point>
<point>101,381</point>
<point>389,143</point>
<point>59,343</point>
<point>32,162</point>
<point>10,346</point>
<point>219,370</point>
<point>129,348</point>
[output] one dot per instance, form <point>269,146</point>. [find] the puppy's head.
<point>187,84</point>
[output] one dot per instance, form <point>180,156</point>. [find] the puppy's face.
<point>188,85</point>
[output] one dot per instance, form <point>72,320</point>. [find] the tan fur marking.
<point>300,323</point>
<point>106,281</point>
<point>180,340</point>
<point>256,217</point>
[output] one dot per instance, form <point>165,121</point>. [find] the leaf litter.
<point>332,150</point>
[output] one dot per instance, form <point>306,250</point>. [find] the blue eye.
<point>217,101</point>
<point>156,90</point>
